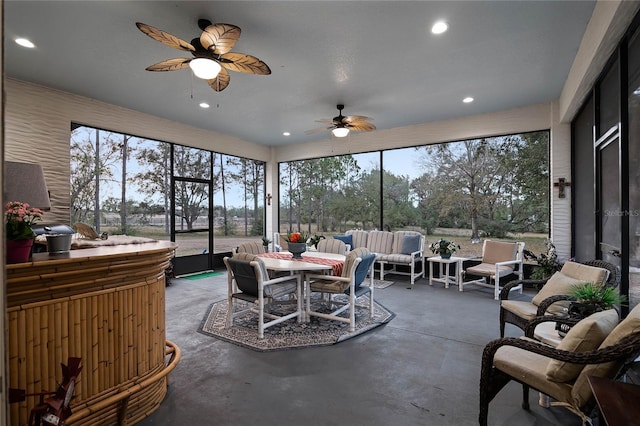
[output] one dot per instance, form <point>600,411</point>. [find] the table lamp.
<point>25,182</point>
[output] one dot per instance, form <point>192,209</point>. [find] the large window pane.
<point>238,201</point>
<point>468,190</point>
<point>330,195</point>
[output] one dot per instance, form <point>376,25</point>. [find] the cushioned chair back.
<point>331,245</point>
<point>359,238</point>
<point>253,247</point>
<point>613,280</point>
<point>363,268</point>
<point>350,259</point>
<point>380,242</point>
<point>584,272</point>
<point>498,251</point>
<point>245,275</point>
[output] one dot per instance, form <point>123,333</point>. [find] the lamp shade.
<point>340,132</point>
<point>204,68</point>
<point>25,182</point>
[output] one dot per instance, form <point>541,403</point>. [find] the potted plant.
<point>591,297</point>
<point>313,241</point>
<point>297,243</point>
<point>265,243</point>
<point>444,248</point>
<point>19,219</point>
<point>547,263</point>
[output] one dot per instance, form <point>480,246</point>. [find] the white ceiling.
<point>378,58</point>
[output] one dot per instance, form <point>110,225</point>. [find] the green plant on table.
<point>313,241</point>
<point>443,247</point>
<point>597,296</point>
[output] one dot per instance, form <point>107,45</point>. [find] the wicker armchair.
<point>527,362</point>
<point>529,311</point>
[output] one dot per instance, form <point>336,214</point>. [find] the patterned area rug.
<point>380,283</point>
<point>289,334</point>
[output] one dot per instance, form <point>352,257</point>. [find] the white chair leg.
<point>229,312</point>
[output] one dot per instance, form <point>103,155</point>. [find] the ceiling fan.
<point>341,125</point>
<point>211,53</point>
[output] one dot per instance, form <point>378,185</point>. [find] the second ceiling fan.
<point>342,124</point>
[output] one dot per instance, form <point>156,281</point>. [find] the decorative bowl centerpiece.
<point>297,244</point>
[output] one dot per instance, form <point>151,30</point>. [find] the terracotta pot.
<point>18,251</point>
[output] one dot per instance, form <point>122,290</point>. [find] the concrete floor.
<point>422,368</point>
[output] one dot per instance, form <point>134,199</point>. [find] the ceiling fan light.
<point>204,68</point>
<point>340,132</point>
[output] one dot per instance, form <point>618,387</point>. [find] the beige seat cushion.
<point>530,368</point>
<point>559,283</point>
<point>489,270</point>
<point>498,251</point>
<point>630,325</point>
<point>520,308</point>
<point>587,335</point>
<point>585,272</point>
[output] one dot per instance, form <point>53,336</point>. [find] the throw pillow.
<point>410,244</point>
<point>587,335</point>
<point>581,392</point>
<point>559,283</point>
<point>347,239</point>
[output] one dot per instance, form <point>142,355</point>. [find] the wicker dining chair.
<point>520,313</point>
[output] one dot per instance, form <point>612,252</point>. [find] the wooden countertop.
<point>50,276</point>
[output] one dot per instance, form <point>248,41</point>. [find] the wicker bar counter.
<point>105,305</point>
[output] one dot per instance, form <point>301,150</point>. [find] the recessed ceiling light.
<point>286,134</point>
<point>204,105</point>
<point>467,100</point>
<point>25,43</point>
<point>439,27</point>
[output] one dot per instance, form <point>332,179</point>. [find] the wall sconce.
<point>25,182</point>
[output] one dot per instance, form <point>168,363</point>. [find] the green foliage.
<point>598,295</point>
<point>494,229</point>
<point>547,262</point>
<point>315,239</point>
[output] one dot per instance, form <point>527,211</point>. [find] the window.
<point>494,187</point>
<point>121,184</point>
